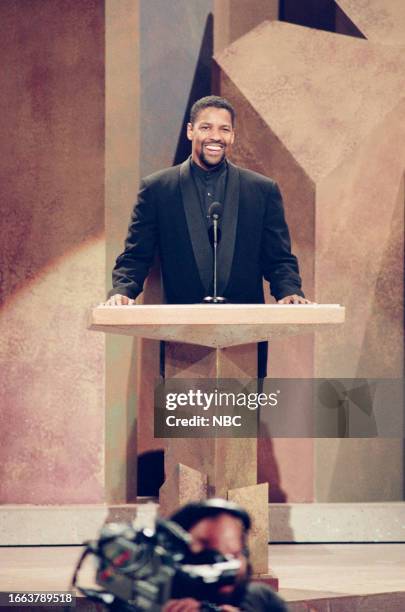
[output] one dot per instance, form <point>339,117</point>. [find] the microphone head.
<point>215,210</point>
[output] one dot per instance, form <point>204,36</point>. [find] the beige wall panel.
<point>320,94</point>
<point>52,257</point>
<point>362,203</point>
<point>256,147</point>
<point>234,18</point>
<point>121,181</point>
<point>378,20</point>
<point>322,112</point>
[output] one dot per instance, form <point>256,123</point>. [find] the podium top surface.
<point>215,325</point>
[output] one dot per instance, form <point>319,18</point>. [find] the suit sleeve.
<point>133,265</point>
<point>279,265</point>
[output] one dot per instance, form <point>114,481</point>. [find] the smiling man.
<point>171,217</point>
<point>211,132</point>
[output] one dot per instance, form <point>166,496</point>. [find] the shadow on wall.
<point>200,87</point>
<point>150,473</point>
<point>319,14</point>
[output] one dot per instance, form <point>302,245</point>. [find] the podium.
<point>216,341</point>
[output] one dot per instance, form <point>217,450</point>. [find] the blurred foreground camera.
<point>141,569</point>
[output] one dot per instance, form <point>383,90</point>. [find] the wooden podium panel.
<point>215,325</point>
<point>215,341</point>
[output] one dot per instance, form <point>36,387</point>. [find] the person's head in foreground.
<point>220,525</point>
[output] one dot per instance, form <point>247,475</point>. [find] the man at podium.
<point>172,216</point>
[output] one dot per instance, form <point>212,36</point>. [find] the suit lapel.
<point>229,223</point>
<point>196,226</point>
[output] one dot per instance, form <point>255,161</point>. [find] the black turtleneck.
<point>210,184</point>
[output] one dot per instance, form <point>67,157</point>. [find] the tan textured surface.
<point>148,372</point>
<point>121,183</point>
<point>368,191</point>
<point>182,486</point>
<point>317,522</point>
<point>227,314</point>
<point>219,458</point>
<point>36,525</point>
<point>221,326</point>
<point>254,500</point>
<point>211,455</point>
<point>52,261</point>
<point>336,89</point>
<point>379,20</point>
<point>233,18</point>
<point>354,522</point>
<point>323,114</point>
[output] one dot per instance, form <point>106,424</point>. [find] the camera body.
<point>141,569</point>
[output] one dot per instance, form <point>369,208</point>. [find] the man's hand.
<point>119,300</point>
<point>188,604</point>
<point>294,299</point>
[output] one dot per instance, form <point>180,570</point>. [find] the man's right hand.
<point>119,300</point>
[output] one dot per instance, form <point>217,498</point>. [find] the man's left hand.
<point>294,299</point>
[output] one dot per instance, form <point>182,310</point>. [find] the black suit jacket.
<point>255,241</point>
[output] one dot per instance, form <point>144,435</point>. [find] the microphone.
<point>215,211</point>
<point>214,214</point>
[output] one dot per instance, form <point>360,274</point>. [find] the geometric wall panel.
<point>379,21</point>
<point>324,115</point>
<point>52,252</point>
<point>320,93</point>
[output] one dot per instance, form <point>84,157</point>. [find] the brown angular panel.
<point>254,500</point>
<point>122,152</point>
<point>182,486</point>
<point>211,455</point>
<point>259,148</point>
<point>360,238</point>
<point>319,94</point>
<point>323,114</point>
<point>378,21</point>
<point>234,18</point>
<point>359,256</point>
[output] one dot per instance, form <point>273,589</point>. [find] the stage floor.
<point>305,571</point>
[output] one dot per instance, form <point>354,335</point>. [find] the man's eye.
<point>204,127</point>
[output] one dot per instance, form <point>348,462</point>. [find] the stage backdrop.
<point>96,95</point>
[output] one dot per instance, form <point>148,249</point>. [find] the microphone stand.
<point>215,299</point>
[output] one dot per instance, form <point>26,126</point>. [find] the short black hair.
<point>216,102</point>
<point>194,512</point>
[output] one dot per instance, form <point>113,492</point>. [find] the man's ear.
<point>233,137</point>
<point>190,131</point>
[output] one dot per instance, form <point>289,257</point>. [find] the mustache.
<point>215,142</point>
